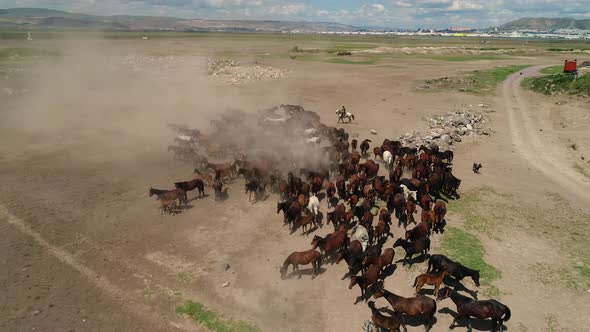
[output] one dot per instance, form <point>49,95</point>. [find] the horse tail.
<point>415,282</point>
<point>352,116</point>
<point>507,313</point>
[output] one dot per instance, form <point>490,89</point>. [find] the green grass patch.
<point>559,84</point>
<point>212,320</point>
<point>25,52</point>
<point>574,278</point>
<point>558,49</point>
<point>487,80</point>
<point>185,276</point>
<point>352,62</point>
<point>484,210</point>
<point>464,58</point>
<point>466,248</point>
<point>552,70</point>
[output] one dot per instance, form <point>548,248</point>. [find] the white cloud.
<point>378,7</point>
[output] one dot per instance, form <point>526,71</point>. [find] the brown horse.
<point>430,279</point>
<point>331,243</point>
<point>168,205</point>
<point>411,306</point>
<point>365,146</point>
<point>383,261</point>
<point>419,231</point>
<point>378,152</point>
<point>302,258</point>
<point>217,188</point>
<point>410,210</point>
<point>353,255</point>
<point>175,194</point>
<point>466,308</point>
<point>426,202</point>
<point>330,193</point>
<point>353,144</point>
<point>440,210</point>
<point>207,178</point>
<point>366,280</point>
<point>387,323</point>
<point>306,222</point>
<point>192,185</point>
<point>382,230</point>
<point>420,246</point>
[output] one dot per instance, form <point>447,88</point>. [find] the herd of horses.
<point>363,206</point>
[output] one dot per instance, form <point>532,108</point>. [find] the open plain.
<point>84,131</point>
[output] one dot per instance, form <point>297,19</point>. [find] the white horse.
<point>315,140</point>
<point>360,233</point>
<point>314,205</point>
<point>409,193</point>
<point>388,159</point>
<point>344,115</point>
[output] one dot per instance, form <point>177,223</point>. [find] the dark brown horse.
<point>387,323</point>
<point>440,210</point>
<point>383,261</point>
<point>419,231</point>
<point>420,246</point>
<point>410,306</point>
<point>353,255</point>
<point>365,146</point>
<point>365,281</point>
<point>467,308</point>
<point>302,258</point>
<point>217,188</point>
<point>192,185</point>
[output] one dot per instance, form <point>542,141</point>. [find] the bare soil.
<point>85,248</point>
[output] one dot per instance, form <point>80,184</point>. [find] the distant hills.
<point>546,24</point>
<point>38,18</point>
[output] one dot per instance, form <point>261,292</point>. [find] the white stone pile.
<point>448,129</point>
<point>231,72</point>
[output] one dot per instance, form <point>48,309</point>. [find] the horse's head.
<point>475,277</point>
<point>398,243</point>
<point>315,242</point>
<point>151,191</point>
<point>353,281</point>
<point>378,293</point>
<point>283,271</point>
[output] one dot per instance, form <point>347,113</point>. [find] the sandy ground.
<point>84,248</point>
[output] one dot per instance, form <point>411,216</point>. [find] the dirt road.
<point>527,138</point>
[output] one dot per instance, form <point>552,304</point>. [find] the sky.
<point>385,13</point>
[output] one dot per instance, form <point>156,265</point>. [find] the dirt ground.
<point>86,249</point>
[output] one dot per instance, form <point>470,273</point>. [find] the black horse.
<point>466,308</point>
<point>456,269</point>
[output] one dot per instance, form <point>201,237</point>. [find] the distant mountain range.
<point>546,24</point>
<point>38,18</point>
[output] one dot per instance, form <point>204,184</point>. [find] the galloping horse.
<point>344,115</point>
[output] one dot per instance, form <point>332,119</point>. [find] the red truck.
<point>570,66</point>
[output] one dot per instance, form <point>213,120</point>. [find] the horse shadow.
<point>477,324</point>
<point>306,272</point>
<point>319,221</point>
<point>440,228</point>
<point>458,286</point>
<point>414,321</point>
<point>224,195</point>
<point>414,260</point>
<point>388,272</point>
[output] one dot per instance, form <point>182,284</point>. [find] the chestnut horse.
<point>430,279</point>
<point>302,258</point>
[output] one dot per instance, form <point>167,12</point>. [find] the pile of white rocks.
<point>231,72</point>
<point>448,129</point>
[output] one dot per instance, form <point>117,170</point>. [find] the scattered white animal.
<point>315,140</point>
<point>360,233</point>
<point>409,193</point>
<point>275,120</point>
<point>311,131</point>
<point>388,158</point>
<point>314,205</point>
